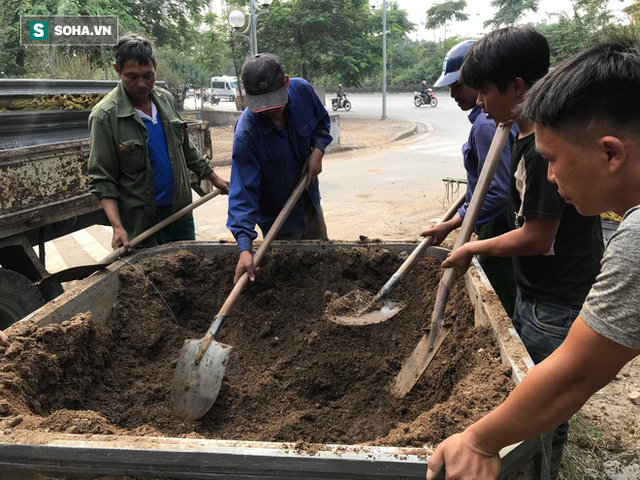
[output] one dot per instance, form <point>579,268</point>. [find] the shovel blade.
<point>417,363</point>
<point>196,386</point>
<point>364,317</point>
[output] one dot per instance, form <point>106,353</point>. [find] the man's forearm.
<point>110,207</point>
<point>519,242</point>
<point>554,390</point>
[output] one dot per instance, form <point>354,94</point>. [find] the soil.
<point>293,376</point>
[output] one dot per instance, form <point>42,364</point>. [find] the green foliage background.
<point>325,41</point>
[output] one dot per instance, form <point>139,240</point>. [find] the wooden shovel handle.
<point>482,187</point>
<point>266,243</point>
<point>428,240</point>
<point>393,282</point>
<point>113,256</point>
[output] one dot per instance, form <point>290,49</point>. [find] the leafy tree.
<point>441,14</point>
<point>168,23</point>
<point>510,11</point>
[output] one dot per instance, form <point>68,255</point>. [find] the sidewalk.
<point>354,133</point>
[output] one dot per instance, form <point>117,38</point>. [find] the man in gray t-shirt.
<point>612,307</point>
<point>593,148</point>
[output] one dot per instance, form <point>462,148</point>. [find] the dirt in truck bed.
<point>292,375</point>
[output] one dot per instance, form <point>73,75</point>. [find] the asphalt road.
<point>389,192</point>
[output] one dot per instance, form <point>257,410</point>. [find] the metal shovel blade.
<point>196,387</point>
<point>364,317</point>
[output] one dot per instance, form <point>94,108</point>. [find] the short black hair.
<point>600,83</point>
<point>134,47</point>
<point>505,54</point>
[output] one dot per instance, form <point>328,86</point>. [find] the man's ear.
<point>519,86</point>
<point>115,67</point>
<point>286,79</point>
<point>615,150</point>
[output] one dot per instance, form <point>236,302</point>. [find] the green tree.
<point>167,23</point>
<point>338,38</point>
<point>441,14</point>
<point>510,11</point>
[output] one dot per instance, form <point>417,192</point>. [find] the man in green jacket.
<point>140,152</point>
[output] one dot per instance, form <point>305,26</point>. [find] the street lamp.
<point>384,60</point>
<point>236,20</point>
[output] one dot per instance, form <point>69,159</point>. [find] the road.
<point>390,191</point>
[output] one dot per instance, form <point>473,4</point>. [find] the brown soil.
<point>292,375</point>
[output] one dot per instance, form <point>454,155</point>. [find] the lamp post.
<point>384,60</point>
<point>237,19</point>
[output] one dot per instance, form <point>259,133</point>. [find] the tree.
<point>510,11</point>
<point>441,14</point>
<point>338,38</point>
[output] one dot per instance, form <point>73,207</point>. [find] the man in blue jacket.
<point>284,130</point>
<point>492,220</point>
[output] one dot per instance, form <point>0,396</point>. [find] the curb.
<point>408,132</point>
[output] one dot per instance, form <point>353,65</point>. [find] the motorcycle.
<point>418,100</point>
<point>215,98</point>
<point>336,103</point>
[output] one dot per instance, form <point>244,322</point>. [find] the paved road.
<point>387,192</point>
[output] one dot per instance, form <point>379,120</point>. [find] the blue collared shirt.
<point>475,152</point>
<point>267,162</point>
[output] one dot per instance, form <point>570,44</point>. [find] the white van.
<point>225,87</point>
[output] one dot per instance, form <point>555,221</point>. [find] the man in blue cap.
<point>492,220</point>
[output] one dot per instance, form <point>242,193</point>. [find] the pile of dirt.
<point>292,375</point>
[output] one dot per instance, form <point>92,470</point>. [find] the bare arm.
<point>219,182</point>
<point>550,393</point>
<point>439,231</point>
<point>536,237</point>
<point>314,166</point>
<point>120,237</point>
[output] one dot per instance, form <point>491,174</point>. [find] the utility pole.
<point>384,60</point>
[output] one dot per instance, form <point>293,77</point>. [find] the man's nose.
<point>550,175</point>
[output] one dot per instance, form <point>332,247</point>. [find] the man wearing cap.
<point>492,220</point>
<point>285,129</point>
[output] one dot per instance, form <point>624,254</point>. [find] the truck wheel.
<point>18,297</point>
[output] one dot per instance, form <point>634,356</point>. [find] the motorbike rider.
<point>424,92</point>
<point>341,96</point>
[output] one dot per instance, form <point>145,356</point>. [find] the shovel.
<point>426,350</point>
<point>200,368</point>
<point>83,271</point>
<point>374,312</point>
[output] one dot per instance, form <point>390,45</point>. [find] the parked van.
<point>225,87</point>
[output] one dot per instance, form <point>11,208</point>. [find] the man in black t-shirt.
<point>556,251</point>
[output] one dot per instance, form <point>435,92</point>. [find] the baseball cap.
<point>264,82</point>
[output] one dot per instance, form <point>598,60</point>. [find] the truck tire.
<point>18,297</point>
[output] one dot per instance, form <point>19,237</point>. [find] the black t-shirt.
<point>566,273</point>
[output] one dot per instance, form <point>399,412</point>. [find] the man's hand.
<point>460,259</point>
<point>219,182</point>
<point>314,166</point>
<point>439,232</point>
<point>463,459</point>
<point>4,342</point>
<point>245,264</point>
<point>120,238</point>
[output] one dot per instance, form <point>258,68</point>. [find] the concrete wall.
<point>335,129</point>
<point>322,93</point>
<point>218,118</point>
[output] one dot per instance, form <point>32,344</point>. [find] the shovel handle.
<point>113,256</point>
<point>393,282</point>
<point>484,182</point>
<point>257,258</point>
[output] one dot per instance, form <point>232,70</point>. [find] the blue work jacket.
<point>475,152</point>
<point>267,162</point>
